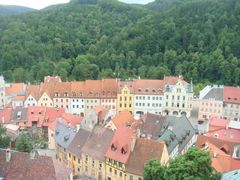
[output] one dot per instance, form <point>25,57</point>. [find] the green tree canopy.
<point>4,138</point>
<point>24,143</point>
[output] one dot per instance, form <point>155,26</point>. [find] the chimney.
<point>8,155</point>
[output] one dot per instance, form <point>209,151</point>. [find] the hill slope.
<point>11,9</point>
<point>198,38</point>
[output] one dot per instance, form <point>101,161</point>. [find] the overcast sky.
<point>38,4</point>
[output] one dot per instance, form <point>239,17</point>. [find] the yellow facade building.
<point>125,96</point>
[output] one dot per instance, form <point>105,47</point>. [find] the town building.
<point>77,105</point>
<point>14,89</point>
<point>231,103</point>
<point>75,151</point>
<point>118,153</point>
<point>211,102</point>
<point>148,96</point>
<point>225,155</point>
<point>125,96</point>
<point>93,152</point>
<point>32,95</point>
<point>178,96</point>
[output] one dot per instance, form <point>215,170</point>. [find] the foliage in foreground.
<point>195,164</point>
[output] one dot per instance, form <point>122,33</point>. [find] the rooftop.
<point>231,95</point>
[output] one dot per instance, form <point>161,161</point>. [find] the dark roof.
<point>170,139</point>
<point>182,128</point>
<point>98,142</point>
<point>22,112</point>
<point>22,167</point>
<point>64,134</point>
<point>78,142</point>
<point>144,151</point>
<point>152,125</point>
<point>215,93</point>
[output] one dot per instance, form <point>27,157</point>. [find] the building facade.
<point>2,92</point>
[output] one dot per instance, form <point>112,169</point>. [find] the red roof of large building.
<point>120,147</point>
<point>232,135</point>
<point>231,95</point>
<point>144,86</point>
<point>217,123</point>
<point>15,88</point>
<point>123,118</point>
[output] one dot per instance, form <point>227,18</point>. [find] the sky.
<point>39,4</point>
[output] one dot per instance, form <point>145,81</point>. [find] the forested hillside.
<point>10,10</point>
<point>199,39</point>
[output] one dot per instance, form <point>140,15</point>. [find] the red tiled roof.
<point>121,141</point>
<point>172,80</point>
<point>232,135</point>
<point>33,90</point>
<point>15,88</point>
<point>231,95</point>
<point>78,88</point>
<point>144,86</point>
<point>123,118</point>
<point>5,116</point>
<point>129,84</point>
<point>218,122</point>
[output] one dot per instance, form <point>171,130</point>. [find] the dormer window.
<point>124,149</point>
<point>74,94</point>
<point>66,138</point>
<point>229,98</point>
<point>32,112</point>
<point>114,146</point>
<point>81,94</point>
<point>139,89</point>
<point>65,94</point>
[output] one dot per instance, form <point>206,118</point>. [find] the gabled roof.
<point>215,93</point>
<point>98,142</point>
<point>231,95</point>
<point>78,142</point>
<point>144,150</point>
<point>22,167</point>
<point>18,98</point>
<point>129,84</point>
<point>33,90</point>
<point>147,86</point>
<point>173,80</point>
<point>61,88</point>
<point>93,88</point>
<point>120,146</point>
<point>109,88</point>
<point>123,118</point>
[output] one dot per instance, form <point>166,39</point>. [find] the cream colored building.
<point>2,92</point>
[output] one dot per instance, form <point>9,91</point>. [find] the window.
<point>110,170</point>
<point>172,97</point>
<point>86,158</point>
<point>115,172</point>
<point>131,177</point>
<point>120,174</point>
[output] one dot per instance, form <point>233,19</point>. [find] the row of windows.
<point>177,105</point>
<point>211,104</point>
<point>148,98</point>
<point>210,110</point>
<point>148,104</point>
<point>125,98</point>
<point>108,100</point>
<point>125,105</point>
<point>177,98</point>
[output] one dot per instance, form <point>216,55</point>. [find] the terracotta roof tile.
<point>231,94</point>
<point>15,89</point>
<point>121,141</point>
<point>123,118</point>
<point>144,86</point>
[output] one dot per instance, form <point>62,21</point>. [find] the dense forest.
<point>89,39</point>
<point>10,9</point>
